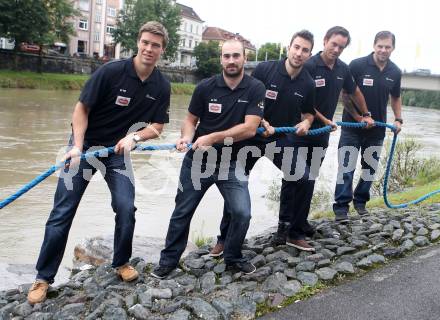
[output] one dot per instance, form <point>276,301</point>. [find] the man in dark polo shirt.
<point>290,96</point>
<point>379,79</point>
<point>330,76</point>
<point>228,109</point>
<point>114,108</point>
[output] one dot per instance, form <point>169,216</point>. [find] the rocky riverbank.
<point>202,289</point>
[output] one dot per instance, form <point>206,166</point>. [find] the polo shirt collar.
<point>370,61</point>
<point>132,71</point>
<point>220,81</point>
<point>321,62</point>
<point>282,70</point>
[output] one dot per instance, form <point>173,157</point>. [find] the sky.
<point>416,24</point>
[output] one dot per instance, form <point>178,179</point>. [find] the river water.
<point>34,128</point>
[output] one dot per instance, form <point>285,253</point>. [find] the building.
<point>190,32</point>
<point>220,35</point>
<point>93,28</point>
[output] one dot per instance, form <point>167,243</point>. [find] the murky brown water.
<point>34,126</point>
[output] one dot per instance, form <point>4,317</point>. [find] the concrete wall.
<point>31,62</point>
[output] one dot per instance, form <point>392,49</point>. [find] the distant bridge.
<point>410,80</point>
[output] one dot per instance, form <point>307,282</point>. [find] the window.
<point>96,37</point>
<point>84,5</point>
<point>185,26</point>
<point>98,17</point>
<point>196,43</point>
<point>183,42</point>
<point>110,28</point>
<point>83,24</point>
<point>111,12</point>
<point>98,1</point>
<point>190,43</point>
<point>191,28</point>
<point>197,29</point>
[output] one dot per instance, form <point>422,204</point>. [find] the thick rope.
<point>314,132</point>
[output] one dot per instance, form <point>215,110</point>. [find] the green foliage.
<point>137,12</point>
<point>208,58</point>
<point>408,169</point>
<point>272,50</point>
<point>251,56</point>
<point>39,22</point>
<point>421,98</point>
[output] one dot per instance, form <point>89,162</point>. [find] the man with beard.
<point>330,75</point>
<point>379,79</point>
<point>289,99</point>
<point>224,111</point>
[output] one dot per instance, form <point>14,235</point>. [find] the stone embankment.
<point>203,289</point>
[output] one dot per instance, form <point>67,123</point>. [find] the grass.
<point>58,81</point>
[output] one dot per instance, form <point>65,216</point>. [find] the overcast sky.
<point>416,24</point>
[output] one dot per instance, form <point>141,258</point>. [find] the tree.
<point>207,58</point>
<point>250,56</point>
<point>270,51</point>
<point>138,12</point>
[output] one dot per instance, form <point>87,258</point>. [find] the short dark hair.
<point>156,28</point>
<point>338,30</point>
<point>385,35</point>
<point>232,40</point>
<point>305,34</point>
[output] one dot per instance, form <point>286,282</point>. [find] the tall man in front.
<point>378,78</point>
<point>114,108</point>
<point>229,106</point>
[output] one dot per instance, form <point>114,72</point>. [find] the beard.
<point>233,74</point>
<point>293,65</point>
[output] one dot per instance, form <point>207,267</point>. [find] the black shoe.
<point>245,267</point>
<point>341,217</point>
<point>361,210</point>
<point>161,272</point>
<point>280,237</point>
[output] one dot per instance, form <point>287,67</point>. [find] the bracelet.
<point>367,114</point>
<point>152,128</point>
<point>399,120</point>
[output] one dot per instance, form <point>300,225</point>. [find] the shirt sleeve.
<point>256,103</point>
<point>258,72</point>
<point>310,101</point>
<point>162,114</point>
<point>95,88</point>
<point>349,83</point>
<point>197,105</point>
<point>395,91</point>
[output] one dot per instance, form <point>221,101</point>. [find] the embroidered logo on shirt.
<point>389,79</point>
<point>319,83</point>
<point>270,94</point>
<point>273,86</point>
<point>261,105</point>
<point>242,101</point>
<point>297,94</point>
<point>339,78</point>
<point>122,90</point>
<point>215,107</point>
<point>150,97</point>
<point>122,101</point>
<point>368,82</point>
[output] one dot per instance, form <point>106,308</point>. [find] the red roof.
<point>188,12</point>
<point>218,34</point>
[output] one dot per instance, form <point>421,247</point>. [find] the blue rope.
<point>314,132</point>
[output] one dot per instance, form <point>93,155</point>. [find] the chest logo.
<point>319,83</point>
<point>150,97</point>
<point>215,107</point>
<point>368,82</point>
<point>298,94</point>
<point>242,101</point>
<point>122,101</point>
<point>339,78</point>
<point>270,94</point>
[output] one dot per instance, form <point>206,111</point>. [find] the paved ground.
<point>406,289</point>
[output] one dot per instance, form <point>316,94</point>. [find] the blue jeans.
<point>70,189</point>
<point>237,201</point>
<point>352,142</point>
<point>300,189</point>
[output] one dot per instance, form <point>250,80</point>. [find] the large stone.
<point>397,234</point>
<point>376,258</point>
<point>160,293</point>
<point>202,309</point>
<point>114,314</point>
<point>180,314</point>
<point>70,311</point>
<point>421,241</point>
<point>344,267</point>
<point>139,312</point>
<point>244,308</point>
<point>274,282</point>
<point>290,288</point>
<point>326,273</point>
<point>344,250</point>
<point>307,278</point>
<point>208,282</point>
<point>408,245</point>
<point>224,307</point>
<point>435,235</point>
<point>306,266</point>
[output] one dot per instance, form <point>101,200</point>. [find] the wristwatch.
<point>399,120</point>
<point>366,114</point>
<point>136,138</point>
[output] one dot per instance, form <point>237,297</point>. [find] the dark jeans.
<point>298,185</point>
<point>351,142</point>
<point>189,194</point>
<point>71,187</point>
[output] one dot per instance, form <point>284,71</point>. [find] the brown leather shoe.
<point>37,293</point>
<point>127,272</point>
<point>217,251</point>
<point>300,244</point>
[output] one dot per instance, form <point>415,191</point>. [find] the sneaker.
<point>217,251</point>
<point>245,267</point>
<point>309,230</point>
<point>160,272</point>
<point>342,218</point>
<point>37,293</point>
<point>300,244</point>
<point>279,238</point>
<point>127,272</point>
<point>361,210</point>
